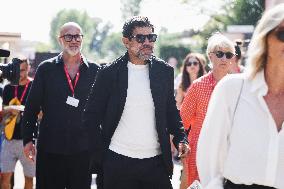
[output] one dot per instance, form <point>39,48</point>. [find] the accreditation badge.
<point>72,101</point>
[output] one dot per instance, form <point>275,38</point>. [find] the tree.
<point>247,12</point>
<point>99,37</point>
<point>130,8</point>
<point>113,47</point>
<point>88,24</point>
<point>233,12</point>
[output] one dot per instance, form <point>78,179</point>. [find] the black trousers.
<point>57,171</point>
<point>230,185</point>
<point>121,172</point>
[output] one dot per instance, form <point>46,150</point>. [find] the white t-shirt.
<point>136,135</point>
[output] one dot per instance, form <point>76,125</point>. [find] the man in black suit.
<point>132,101</point>
<point>60,90</point>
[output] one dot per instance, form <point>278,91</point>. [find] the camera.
<point>10,71</point>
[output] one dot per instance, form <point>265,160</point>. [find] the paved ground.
<point>19,177</point>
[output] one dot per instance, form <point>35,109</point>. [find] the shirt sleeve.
<point>6,96</point>
<point>213,140</point>
<point>33,106</point>
<point>188,106</point>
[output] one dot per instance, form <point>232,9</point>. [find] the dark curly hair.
<point>134,22</point>
<point>185,80</point>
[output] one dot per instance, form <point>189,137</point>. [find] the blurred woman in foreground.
<point>242,139</point>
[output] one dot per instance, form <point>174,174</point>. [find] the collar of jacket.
<point>59,59</point>
<point>125,59</point>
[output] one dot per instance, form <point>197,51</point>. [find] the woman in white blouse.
<point>241,144</point>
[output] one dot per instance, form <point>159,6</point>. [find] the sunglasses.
<point>69,37</point>
<point>220,54</point>
<point>140,38</point>
<point>280,35</point>
<point>194,63</point>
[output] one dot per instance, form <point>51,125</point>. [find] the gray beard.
<point>73,52</point>
<point>144,56</point>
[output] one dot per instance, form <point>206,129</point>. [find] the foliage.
<point>234,12</point>
<point>130,8</point>
<point>113,47</point>
<point>177,51</point>
<point>99,37</point>
<point>247,12</point>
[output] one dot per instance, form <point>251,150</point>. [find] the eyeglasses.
<point>280,34</point>
<point>69,37</point>
<point>194,63</point>
<point>220,54</point>
<point>140,38</point>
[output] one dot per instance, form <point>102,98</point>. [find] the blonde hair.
<point>218,41</point>
<point>257,51</point>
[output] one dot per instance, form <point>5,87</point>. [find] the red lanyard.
<point>24,92</point>
<point>72,88</point>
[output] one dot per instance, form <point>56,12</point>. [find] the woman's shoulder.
<point>203,80</point>
<point>234,78</point>
<point>231,82</point>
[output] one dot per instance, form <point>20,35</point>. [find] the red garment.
<point>193,110</point>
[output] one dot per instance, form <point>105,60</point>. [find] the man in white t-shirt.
<point>133,101</point>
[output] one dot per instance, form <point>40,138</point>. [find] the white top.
<point>177,81</point>
<point>249,151</point>
<point>136,135</point>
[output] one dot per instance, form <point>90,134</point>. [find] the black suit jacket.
<point>108,96</point>
<point>61,130</point>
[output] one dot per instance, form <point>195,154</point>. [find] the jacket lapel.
<point>122,79</point>
<point>155,84</point>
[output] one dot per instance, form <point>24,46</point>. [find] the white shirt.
<point>136,135</point>
<point>177,81</point>
<point>249,151</point>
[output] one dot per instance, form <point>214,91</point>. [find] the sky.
<point>32,18</point>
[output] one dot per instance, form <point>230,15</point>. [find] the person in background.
<point>60,89</point>
<point>236,66</point>
<point>12,147</point>
<point>173,62</point>
<point>241,143</point>
<point>220,51</point>
<point>133,101</point>
<point>191,70</point>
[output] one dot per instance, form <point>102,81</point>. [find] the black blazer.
<point>60,130</point>
<point>108,96</point>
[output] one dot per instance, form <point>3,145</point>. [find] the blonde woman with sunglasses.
<point>242,139</point>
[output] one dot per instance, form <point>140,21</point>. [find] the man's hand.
<point>30,151</point>
<point>183,150</point>
<point>9,111</point>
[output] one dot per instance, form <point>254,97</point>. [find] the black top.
<point>9,94</point>
<point>60,130</point>
<point>108,96</point>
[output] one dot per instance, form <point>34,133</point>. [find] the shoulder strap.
<point>237,102</point>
